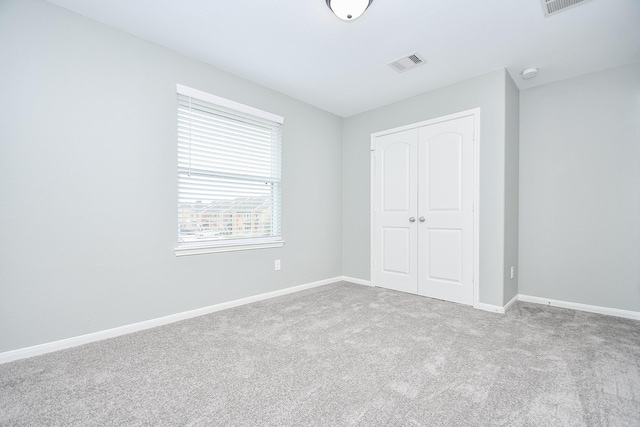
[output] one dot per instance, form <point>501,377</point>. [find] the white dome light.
<point>348,10</point>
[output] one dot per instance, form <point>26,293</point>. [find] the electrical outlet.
<point>277,265</point>
<point>513,272</point>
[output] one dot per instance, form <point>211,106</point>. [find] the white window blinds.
<point>229,158</point>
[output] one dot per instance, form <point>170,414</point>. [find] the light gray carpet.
<point>342,355</point>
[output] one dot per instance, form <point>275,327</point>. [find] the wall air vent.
<point>406,63</point>
<point>551,7</point>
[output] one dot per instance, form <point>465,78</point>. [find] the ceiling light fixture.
<point>529,73</point>
<point>348,10</point>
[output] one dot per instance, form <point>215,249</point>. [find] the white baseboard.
<point>627,314</point>
<point>37,350</point>
<point>510,303</point>
<point>357,281</point>
<point>489,307</point>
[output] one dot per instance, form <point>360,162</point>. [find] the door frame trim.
<point>475,112</point>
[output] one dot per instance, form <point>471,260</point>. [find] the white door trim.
<point>475,112</point>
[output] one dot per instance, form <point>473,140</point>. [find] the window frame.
<point>228,245</point>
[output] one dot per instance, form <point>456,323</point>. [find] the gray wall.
<point>511,167</point>
<point>580,189</point>
<point>88,182</point>
<point>486,92</point>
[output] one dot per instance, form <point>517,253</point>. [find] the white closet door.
<point>445,224</point>
<point>395,207</point>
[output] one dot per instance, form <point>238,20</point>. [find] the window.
<point>228,175</point>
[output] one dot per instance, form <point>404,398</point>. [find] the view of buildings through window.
<point>225,219</point>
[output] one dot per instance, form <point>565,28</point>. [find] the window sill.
<point>199,250</point>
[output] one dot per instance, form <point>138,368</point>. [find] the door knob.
<point>412,219</point>
<point>422,219</point>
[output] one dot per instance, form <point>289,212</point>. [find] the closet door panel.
<point>445,229</point>
<point>395,240</point>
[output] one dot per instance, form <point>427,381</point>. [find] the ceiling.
<point>299,48</point>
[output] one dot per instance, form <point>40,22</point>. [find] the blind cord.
<point>190,141</point>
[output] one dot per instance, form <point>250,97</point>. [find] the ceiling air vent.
<point>406,63</point>
<point>551,7</point>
